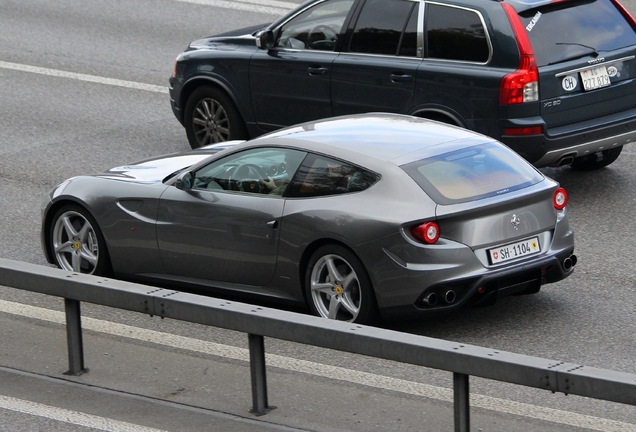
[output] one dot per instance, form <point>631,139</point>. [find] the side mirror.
<point>265,39</point>
<point>185,181</point>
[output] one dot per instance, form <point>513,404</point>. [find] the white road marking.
<point>259,6</point>
<point>71,417</point>
<point>83,77</point>
<point>327,371</point>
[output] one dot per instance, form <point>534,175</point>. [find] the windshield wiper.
<point>593,52</point>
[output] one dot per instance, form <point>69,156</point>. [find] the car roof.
<point>394,138</point>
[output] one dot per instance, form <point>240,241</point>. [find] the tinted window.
<point>386,27</point>
<point>319,176</point>
<point>316,28</point>
<point>472,173</point>
<point>583,28</point>
<point>455,34</point>
<point>260,171</point>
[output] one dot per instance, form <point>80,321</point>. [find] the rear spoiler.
<point>524,5</point>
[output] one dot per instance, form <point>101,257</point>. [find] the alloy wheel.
<point>210,122</point>
<point>335,289</point>
<point>75,243</point>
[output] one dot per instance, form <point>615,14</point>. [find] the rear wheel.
<point>338,287</point>
<point>77,243</point>
<point>211,117</point>
<point>597,160</point>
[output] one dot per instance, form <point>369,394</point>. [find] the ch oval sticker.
<point>569,83</point>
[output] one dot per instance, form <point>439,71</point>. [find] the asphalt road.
<point>84,89</point>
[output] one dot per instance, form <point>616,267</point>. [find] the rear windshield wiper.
<point>592,51</point>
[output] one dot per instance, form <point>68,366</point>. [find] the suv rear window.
<point>572,29</point>
<point>455,33</point>
<point>472,173</point>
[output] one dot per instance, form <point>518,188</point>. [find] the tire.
<point>76,242</point>
<point>338,287</point>
<point>597,160</point>
<point>211,117</point>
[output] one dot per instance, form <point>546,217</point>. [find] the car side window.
<point>256,171</point>
<point>386,27</point>
<point>454,33</point>
<point>317,28</point>
<point>320,176</point>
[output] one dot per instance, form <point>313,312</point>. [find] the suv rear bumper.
<point>542,150</point>
<point>562,156</point>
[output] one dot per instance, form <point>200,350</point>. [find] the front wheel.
<point>211,117</point>
<point>597,160</point>
<point>338,287</point>
<point>77,243</point>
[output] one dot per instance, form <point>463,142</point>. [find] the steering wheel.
<point>241,175</point>
<point>328,39</point>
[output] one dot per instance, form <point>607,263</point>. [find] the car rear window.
<point>321,176</point>
<point>454,33</point>
<point>572,29</point>
<point>472,173</point>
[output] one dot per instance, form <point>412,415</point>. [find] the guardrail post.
<point>259,379</point>
<point>462,408</point>
<point>74,338</point>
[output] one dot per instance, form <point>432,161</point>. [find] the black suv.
<point>554,80</point>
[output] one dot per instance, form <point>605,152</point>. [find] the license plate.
<point>514,250</point>
<point>594,78</point>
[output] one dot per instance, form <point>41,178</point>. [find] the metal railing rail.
<point>460,359</point>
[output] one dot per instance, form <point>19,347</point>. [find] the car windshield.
<point>584,28</point>
<point>472,173</point>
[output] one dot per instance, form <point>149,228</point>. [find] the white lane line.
<point>83,77</point>
<point>71,417</point>
<point>259,6</point>
<point>332,372</point>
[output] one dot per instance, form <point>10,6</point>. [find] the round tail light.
<point>560,199</point>
<point>427,232</point>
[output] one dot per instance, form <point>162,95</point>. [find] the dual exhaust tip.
<point>432,299</point>
<point>569,262</point>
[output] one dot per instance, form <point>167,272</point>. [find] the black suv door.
<point>376,68</point>
<point>291,82</point>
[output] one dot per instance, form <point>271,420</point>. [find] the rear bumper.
<point>559,149</point>
<point>524,278</point>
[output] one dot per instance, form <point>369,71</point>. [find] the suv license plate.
<point>594,78</point>
<point>515,250</point>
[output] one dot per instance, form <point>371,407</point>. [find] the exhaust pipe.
<point>430,299</point>
<point>564,160</point>
<point>449,297</point>
<point>569,262</point>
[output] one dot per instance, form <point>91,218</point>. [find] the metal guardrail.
<point>460,359</point>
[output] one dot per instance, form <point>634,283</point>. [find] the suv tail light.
<point>521,85</point>
<point>427,232</point>
<point>560,199</point>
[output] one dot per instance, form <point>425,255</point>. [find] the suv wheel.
<point>597,160</point>
<point>211,117</point>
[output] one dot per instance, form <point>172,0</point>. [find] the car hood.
<point>228,41</point>
<point>155,170</point>
<point>158,169</point>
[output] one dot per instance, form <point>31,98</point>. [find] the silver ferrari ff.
<point>359,217</point>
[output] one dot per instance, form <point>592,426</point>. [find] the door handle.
<point>397,77</point>
<point>317,70</point>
